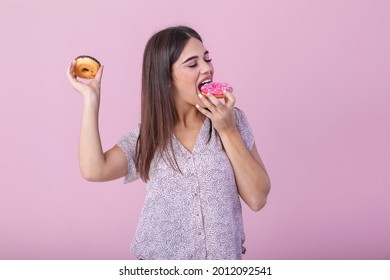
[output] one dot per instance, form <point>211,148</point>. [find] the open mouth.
<point>203,83</point>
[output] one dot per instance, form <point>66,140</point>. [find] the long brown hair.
<point>158,111</point>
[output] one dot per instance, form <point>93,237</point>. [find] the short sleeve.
<point>244,129</point>
<point>128,144</point>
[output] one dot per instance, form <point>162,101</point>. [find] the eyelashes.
<point>196,64</point>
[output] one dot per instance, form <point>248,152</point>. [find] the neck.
<point>188,117</point>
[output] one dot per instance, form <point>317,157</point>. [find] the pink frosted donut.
<point>215,88</point>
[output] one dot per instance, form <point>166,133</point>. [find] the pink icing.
<point>216,88</point>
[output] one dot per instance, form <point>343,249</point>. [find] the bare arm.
<point>95,165</point>
<point>251,177</point>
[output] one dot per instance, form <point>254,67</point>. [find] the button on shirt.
<point>195,214</point>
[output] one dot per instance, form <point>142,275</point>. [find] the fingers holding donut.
<point>76,84</point>
<point>211,102</point>
<point>85,67</point>
<point>99,74</point>
<point>220,114</point>
<point>230,100</point>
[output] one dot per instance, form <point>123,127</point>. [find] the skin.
<point>192,67</point>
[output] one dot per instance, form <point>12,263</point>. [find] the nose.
<point>206,67</point>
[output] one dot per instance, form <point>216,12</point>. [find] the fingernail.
<point>197,106</point>
<point>200,95</point>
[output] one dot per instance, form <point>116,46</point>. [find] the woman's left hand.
<point>221,114</point>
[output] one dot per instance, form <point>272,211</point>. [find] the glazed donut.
<point>86,67</point>
<point>215,88</point>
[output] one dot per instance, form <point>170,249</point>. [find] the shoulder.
<point>133,132</point>
<point>129,138</point>
<point>240,115</point>
<point>244,128</point>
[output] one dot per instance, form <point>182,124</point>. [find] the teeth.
<point>203,83</point>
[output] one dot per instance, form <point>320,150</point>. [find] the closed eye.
<point>196,64</point>
<point>205,58</point>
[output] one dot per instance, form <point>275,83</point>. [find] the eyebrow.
<point>194,57</point>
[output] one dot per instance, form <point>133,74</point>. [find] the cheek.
<point>185,82</point>
<point>190,77</point>
<point>182,79</point>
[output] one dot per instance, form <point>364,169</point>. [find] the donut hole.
<point>85,70</point>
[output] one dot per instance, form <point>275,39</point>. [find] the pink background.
<point>312,77</point>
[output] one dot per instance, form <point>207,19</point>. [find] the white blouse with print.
<point>195,214</point>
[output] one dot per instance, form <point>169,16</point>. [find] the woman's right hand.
<point>91,89</point>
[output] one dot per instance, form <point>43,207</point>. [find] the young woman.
<point>196,154</point>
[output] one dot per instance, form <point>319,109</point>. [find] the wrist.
<point>229,133</point>
<point>91,101</point>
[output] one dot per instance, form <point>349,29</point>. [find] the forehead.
<point>193,47</point>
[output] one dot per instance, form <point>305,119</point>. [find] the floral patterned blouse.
<point>195,214</point>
